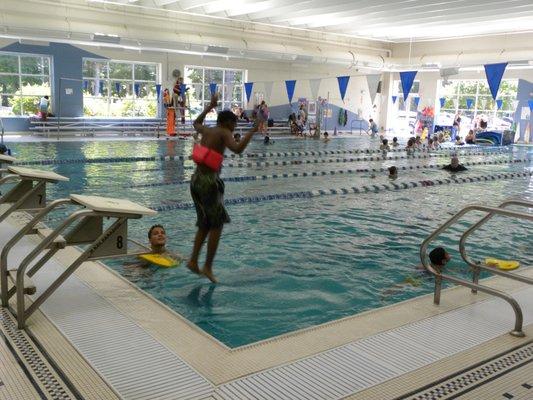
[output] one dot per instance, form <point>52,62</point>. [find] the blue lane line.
<point>331,160</point>
<point>177,205</point>
<point>321,173</point>
<point>109,160</point>
<point>364,151</point>
<point>308,161</point>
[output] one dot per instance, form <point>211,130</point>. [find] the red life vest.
<point>208,157</point>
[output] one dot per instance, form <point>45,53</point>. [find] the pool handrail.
<point>476,266</point>
<point>439,276</point>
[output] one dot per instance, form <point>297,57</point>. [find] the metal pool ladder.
<point>477,266</point>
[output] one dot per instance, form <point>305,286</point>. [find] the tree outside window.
<point>24,79</point>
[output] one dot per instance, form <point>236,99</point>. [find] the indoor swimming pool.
<point>288,263</point>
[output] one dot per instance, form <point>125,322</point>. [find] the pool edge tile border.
<point>218,363</point>
<point>259,355</point>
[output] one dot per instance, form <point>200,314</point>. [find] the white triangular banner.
<point>373,83</point>
<point>314,84</point>
<point>268,90</point>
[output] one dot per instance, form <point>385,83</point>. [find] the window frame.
<point>110,97</point>
<point>204,86</point>
<point>20,75</point>
<point>477,97</point>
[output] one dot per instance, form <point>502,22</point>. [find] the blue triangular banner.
<point>343,85</point>
<point>117,87</point>
<point>442,102</point>
<point>137,88</point>
<point>101,87</point>
<point>212,88</point>
<point>417,101</point>
<point>499,103</point>
<point>248,86</point>
<point>85,85</point>
<point>158,90</point>
<point>494,74</point>
<point>183,90</point>
<point>407,78</point>
<point>290,85</point>
<point>530,102</point>
<point>469,103</point>
<point>394,98</point>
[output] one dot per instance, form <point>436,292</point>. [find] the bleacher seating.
<point>70,126</point>
<point>92,126</point>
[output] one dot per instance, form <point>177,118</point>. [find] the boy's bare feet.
<point>209,274</point>
<point>193,266</point>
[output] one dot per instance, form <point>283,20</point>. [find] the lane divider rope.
<point>178,205</point>
<point>109,160</point>
<point>323,173</point>
<point>274,163</point>
<point>364,151</point>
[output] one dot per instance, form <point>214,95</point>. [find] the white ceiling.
<point>395,20</point>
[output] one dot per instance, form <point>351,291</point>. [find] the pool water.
<point>284,265</point>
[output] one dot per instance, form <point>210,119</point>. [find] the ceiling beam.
<point>192,4</point>
<point>236,5</point>
<point>492,9</point>
<point>383,29</point>
<point>318,7</point>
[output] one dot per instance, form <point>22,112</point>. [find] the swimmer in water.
<point>157,239</point>
<point>438,258</point>
<point>454,165</point>
<point>326,137</point>
<point>393,173</point>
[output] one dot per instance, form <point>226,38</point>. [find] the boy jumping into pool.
<point>207,189</point>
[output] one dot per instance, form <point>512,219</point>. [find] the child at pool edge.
<point>438,258</point>
<point>157,238</point>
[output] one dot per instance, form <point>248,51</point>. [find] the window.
<point>230,84</point>
<point>405,112</point>
<point>458,94</point>
<point>119,88</point>
<point>24,79</point>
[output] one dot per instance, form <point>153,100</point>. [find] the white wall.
<point>357,96</point>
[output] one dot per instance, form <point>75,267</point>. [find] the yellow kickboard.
<point>159,260</point>
<point>507,265</point>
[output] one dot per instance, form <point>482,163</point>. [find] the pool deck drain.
<point>145,341</point>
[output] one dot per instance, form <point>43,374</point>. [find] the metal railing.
<point>360,122</point>
<point>477,267</point>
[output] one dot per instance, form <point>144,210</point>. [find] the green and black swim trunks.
<point>207,190</point>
